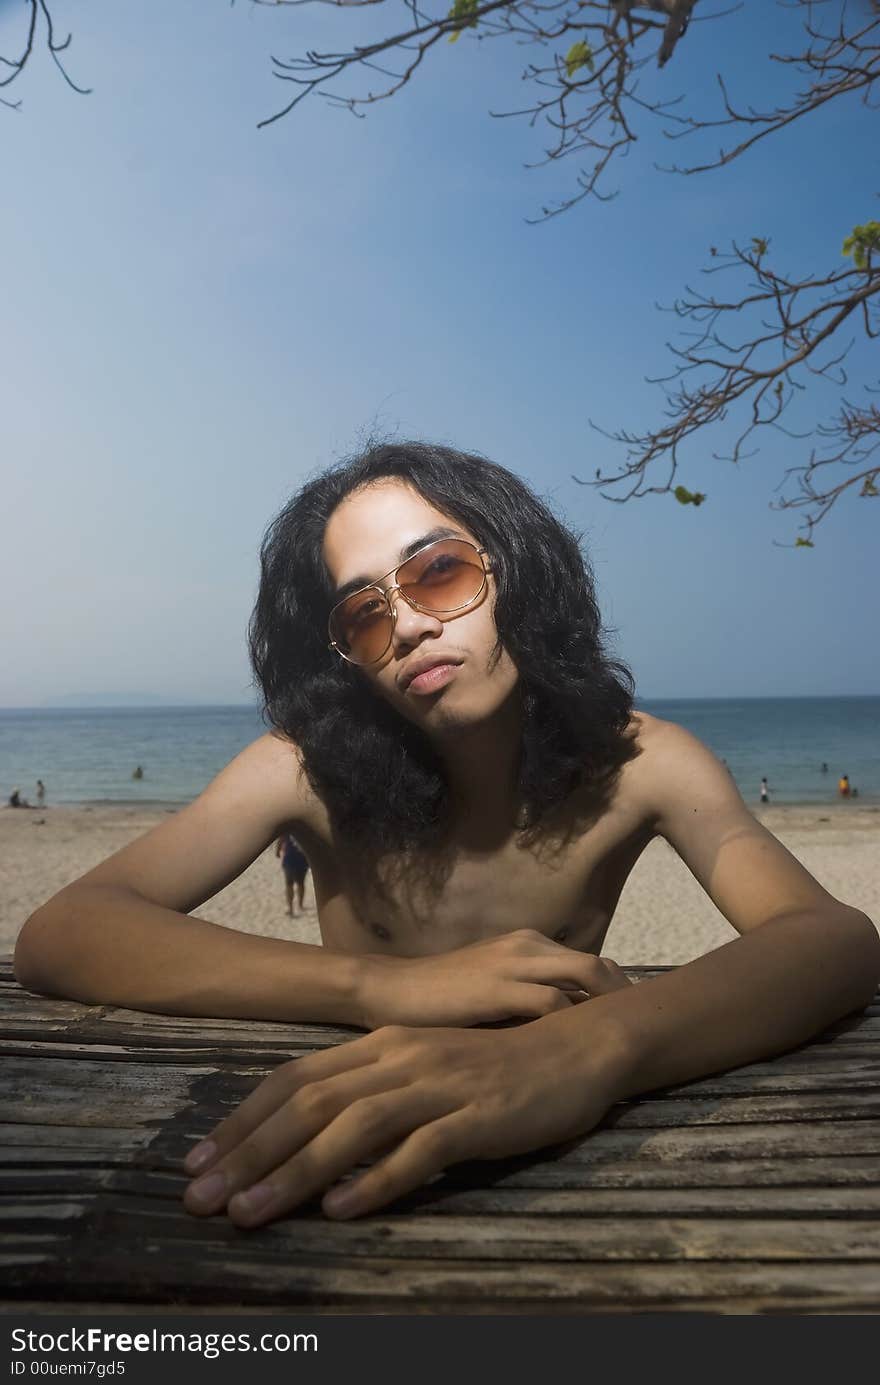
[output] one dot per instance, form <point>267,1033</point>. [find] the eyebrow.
<point>441,531</point>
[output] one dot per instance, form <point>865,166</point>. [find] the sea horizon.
<point>89,755</point>
<point>640,698</point>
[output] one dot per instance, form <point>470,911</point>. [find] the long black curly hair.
<point>377,774</point>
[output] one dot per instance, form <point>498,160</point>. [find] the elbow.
<point>38,961</point>
<point>864,941</point>
<point>26,962</point>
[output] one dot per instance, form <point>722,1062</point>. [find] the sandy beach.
<point>663,917</point>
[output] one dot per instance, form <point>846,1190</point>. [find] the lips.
<point>418,667</point>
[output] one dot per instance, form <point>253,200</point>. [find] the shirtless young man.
<point>465,772</point>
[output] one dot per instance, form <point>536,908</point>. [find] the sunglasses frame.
<point>387,592</point>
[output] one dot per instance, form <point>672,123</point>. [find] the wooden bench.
<point>757,1191</point>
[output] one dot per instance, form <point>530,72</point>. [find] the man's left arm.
<point>803,958</point>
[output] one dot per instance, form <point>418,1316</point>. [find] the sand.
<point>663,917</point>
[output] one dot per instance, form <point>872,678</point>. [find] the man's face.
<point>364,538</point>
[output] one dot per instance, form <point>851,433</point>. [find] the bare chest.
<point>568,891</point>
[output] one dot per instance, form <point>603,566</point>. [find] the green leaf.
<point>579,55</point>
<point>686,497</point>
<point>869,488</point>
<point>804,543</point>
<point>464,12</point>
<point>759,245</point>
<point>861,241</point>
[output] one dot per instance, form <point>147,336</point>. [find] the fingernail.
<point>208,1189</point>
<point>341,1201</point>
<point>199,1156</point>
<point>255,1199</point>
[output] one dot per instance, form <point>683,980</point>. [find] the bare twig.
<point>54,47</point>
<point>749,356</point>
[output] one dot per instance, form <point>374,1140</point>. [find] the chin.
<point>449,715</point>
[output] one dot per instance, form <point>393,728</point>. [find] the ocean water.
<point>88,754</point>
<point>786,740</point>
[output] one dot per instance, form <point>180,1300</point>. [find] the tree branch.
<point>786,327</point>
<point>54,47</point>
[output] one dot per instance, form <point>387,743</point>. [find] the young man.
<point>460,761</point>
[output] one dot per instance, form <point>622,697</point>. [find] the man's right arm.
<point>123,935</point>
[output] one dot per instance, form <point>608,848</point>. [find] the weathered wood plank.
<point>734,1176</point>
<point>444,1197</point>
<point>451,1238</point>
<point>31,1016</point>
<point>24,1171</point>
<point>307,1280</point>
<point>616,1140</point>
<point>801,1071</point>
<point>72,1051</point>
<point>41,1093</point>
<point>687,1109</point>
<point>858,1171</point>
<point>845,1073</point>
<point>116,1141</point>
<point>635,1203</point>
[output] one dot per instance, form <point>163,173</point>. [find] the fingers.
<point>607,976</point>
<point>360,1131</point>
<point>534,1001</point>
<point>274,1090</point>
<point>423,1154</point>
<point>580,970</point>
<point>281,1136</point>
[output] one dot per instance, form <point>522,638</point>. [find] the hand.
<point>521,975</point>
<point>416,1099</point>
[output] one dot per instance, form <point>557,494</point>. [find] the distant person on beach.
<point>137,773</point>
<point>843,786</point>
<point>295,867</point>
<point>41,793</point>
<point>459,756</point>
<point>16,801</point>
<point>824,767</point>
<point>765,792</point>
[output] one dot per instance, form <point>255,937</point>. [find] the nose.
<point>410,624</point>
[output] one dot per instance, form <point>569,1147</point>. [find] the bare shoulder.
<point>691,799</point>
<point>674,772</point>
<point>268,777</point>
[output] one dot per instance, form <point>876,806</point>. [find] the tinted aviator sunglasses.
<point>442,578</point>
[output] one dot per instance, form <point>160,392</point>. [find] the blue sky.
<point>197,313</point>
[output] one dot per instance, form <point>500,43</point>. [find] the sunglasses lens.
<point>445,577</point>
<point>361,626</point>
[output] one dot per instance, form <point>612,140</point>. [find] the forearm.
<point>109,946</point>
<point>758,996</point>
